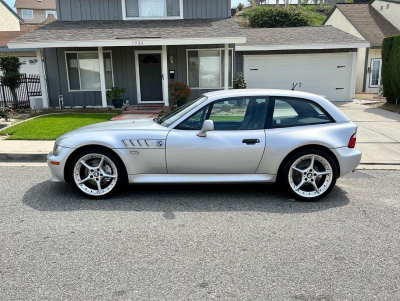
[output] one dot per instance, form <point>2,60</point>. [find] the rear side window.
<point>290,112</point>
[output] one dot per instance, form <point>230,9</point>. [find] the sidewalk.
<point>378,138</point>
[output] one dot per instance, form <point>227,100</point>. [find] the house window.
<point>206,68</point>
<point>376,73</point>
<point>51,12</point>
<point>27,13</point>
<point>156,9</point>
<point>83,70</point>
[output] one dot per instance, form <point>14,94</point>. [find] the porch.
<point>141,56</point>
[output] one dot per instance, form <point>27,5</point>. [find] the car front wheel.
<point>310,174</point>
<point>97,173</point>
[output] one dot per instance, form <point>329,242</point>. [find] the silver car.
<point>298,139</point>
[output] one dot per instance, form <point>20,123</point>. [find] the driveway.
<point>378,133</point>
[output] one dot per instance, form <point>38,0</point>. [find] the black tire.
<point>120,182</point>
<point>283,177</point>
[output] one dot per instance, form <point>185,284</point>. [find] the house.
<point>9,20</point>
<point>27,57</point>
<point>372,22</point>
<point>35,11</point>
<point>143,45</point>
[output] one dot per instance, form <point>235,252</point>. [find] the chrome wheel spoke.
<point>298,169</point>
<point>84,180</point>
<point>101,162</point>
<point>86,165</point>
<point>99,187</point>
<point>315,187</point>
<point>299,186</point>
<point>312,162</point>
<point>323,173</point>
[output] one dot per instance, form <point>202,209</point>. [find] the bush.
<point>6,113</point>
<point>391,68</point>
<point>240,7</point>
<point>11,77</point>
<point>180,93</point>
<point>239,83</point>
<point>274,17</point>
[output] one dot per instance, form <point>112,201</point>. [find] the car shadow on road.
<point>48,196</point>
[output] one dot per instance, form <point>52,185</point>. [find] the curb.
<point>23,157</point>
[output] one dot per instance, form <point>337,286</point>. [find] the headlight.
<point>57,149</point>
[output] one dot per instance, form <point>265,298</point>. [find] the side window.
<point>194,122</point>
<point>239,113</point>
<point>296,112</point>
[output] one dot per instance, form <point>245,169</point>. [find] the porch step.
<point>144,109</point>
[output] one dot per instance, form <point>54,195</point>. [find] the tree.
<point>10,65</point>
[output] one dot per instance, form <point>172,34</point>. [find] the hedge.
<point>276,17</point>
<point>391,68</point>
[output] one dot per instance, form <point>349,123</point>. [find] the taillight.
<point>352,141</point>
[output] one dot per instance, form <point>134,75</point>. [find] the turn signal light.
<point>352,142</point>
<point>54,163</point>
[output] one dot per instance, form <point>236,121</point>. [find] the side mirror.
<point>208,126</point>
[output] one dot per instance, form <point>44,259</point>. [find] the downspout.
<point>366,70</point>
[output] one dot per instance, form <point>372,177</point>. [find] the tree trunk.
<point>277,3</point>
<point>298,3</point>
<point>321,2</point>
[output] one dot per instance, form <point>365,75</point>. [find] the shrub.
<point>274,17</point>
<point>391,68</point>
<point>6,113</point>
<point>240,7</point>
<point>10,65</point>
<point>115,93</point>
<point>180,93</point>
<point>239,83</point>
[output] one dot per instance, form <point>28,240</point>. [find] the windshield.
<point>170,118</point>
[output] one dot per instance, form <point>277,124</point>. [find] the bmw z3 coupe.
<point>298,139</point>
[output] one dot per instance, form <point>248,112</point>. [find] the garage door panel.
<point>322,74</point>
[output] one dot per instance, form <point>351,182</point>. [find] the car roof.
<point>338,115</point>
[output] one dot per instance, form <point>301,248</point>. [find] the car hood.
<point>140,124</point>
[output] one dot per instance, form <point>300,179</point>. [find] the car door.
<point>235,146</point>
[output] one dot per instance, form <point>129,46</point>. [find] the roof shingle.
<point>320,35</point>
<point>117,30</point>
<point>369,22</point>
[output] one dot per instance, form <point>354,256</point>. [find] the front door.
<point>150,77</point>
<point>235,146</point>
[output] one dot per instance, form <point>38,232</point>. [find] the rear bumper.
<point>349,159</point>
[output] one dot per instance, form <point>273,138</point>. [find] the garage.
<point>29,65</point>
<point>320,60</point>
<point>323,74</point>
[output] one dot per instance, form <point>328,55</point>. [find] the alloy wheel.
<point>95,174</point>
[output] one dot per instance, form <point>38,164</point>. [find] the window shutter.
<point>173,8</point>
<point>132,8</point>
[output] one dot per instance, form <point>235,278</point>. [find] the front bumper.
<point>349,159</point>
<point>57,171</point>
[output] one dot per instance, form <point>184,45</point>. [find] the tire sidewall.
<point>122,175</point>
<point>284,176</point>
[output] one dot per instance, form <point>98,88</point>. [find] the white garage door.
<point>329,75</point>
<point>29,65</point>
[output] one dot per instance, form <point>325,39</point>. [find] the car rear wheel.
<point>310,175</point>
<point>97,173</point>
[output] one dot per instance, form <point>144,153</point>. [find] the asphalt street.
<point>199,242</point>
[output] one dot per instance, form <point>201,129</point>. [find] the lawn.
<point>53,126</point>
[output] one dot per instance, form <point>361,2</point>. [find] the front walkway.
<point>378,133</point>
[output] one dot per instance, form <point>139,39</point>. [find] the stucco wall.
<point>39,16</point>
<point>389,10</point>
<point>338,20</point>
<point>8,22</point>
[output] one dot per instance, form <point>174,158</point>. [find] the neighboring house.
<point>372,22</point>
<point>36,11</point>
<point>9,20</point>
<point>28,57</point>
<point>143,45</point>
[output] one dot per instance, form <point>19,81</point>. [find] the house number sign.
<point>137,43</point>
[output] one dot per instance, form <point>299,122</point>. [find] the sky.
<point>11,3</point>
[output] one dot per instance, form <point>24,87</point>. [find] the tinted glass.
<point>297,112</point>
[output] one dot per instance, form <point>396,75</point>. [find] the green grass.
<point>53,126</point>
<point>315,13</point>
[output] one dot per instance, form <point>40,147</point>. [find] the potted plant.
<point>180,93</point>
<point>115,94</point>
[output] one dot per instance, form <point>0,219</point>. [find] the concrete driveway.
<point>378,133</point>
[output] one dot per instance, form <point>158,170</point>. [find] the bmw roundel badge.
<point>160,143</point>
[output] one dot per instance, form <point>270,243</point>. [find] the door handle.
<point>251,141</point>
